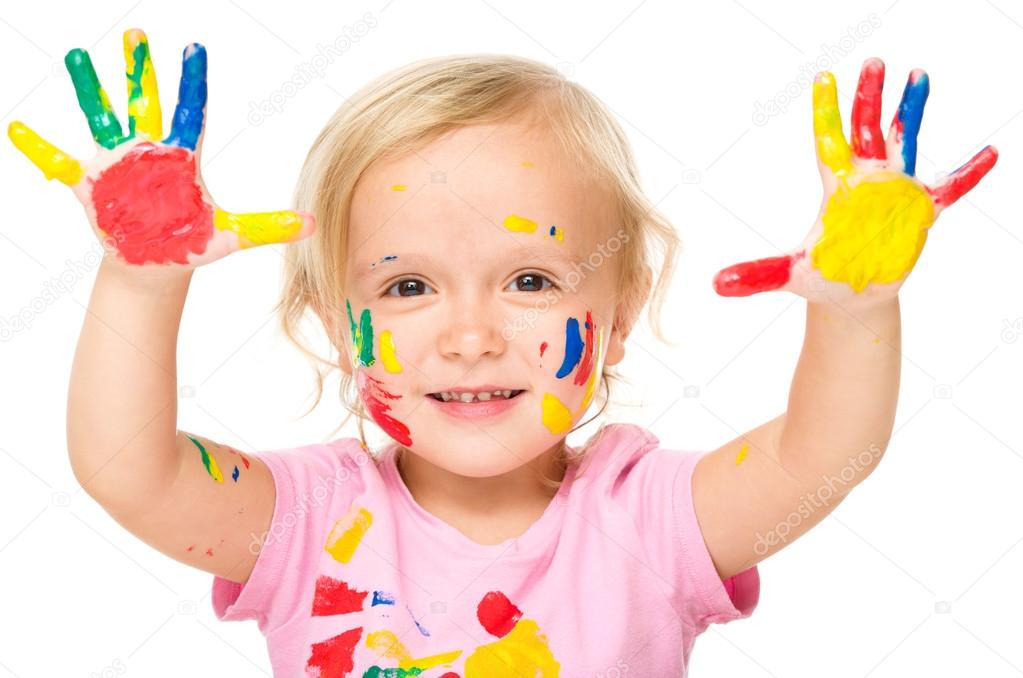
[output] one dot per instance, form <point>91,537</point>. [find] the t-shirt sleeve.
<point>304,478</point>
<point>655,486</point>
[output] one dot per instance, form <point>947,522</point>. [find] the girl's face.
<point>484,262</point>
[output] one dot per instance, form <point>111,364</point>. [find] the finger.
<point>867,140</point>
<point>265,228</point>
<point>962,181</point>
<point>906,123</point>
<point>144,115</point>
<point>762,275</point>
<point>54,162</point>
<point>106,129</point>
<point>191,109</point>
<point>832,148</point>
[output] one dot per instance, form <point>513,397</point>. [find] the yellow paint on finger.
<point>259,228</point>
<point>55,163</point>
<point>554,414</point>
<point>873,232</point>
<point>143,97</point>
<point>388,354</point>
<point>387,646</point>
<point>742,453</point>
<point>832,148</point>
<point>347,533</point>
<point>517,224</point>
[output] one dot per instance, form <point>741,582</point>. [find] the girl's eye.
<point>533,282</point>
<point>409,287</point>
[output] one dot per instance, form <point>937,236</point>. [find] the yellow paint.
<point>873,232</point>
<point>591,383</point>
<point>877,340</point>
<point>399,187</point>
<point>259,228</point>
<point>832,148</point>
<point>388,355</point>
<point>346,534</point>
<point>742,453</point>
<point>518,224</point>
<point>55,163</point>
<point>556,417</point>
<point>145,108</point>
<point>387,646</point>
<point>526,163</point>
<point>522,652</point>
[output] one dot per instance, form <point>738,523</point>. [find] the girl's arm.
<point>759,492</point>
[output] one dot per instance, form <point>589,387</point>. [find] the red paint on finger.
<point>962,181</point>
<point>151,203</point>
<point>867,140</point>
<point>750,277</point>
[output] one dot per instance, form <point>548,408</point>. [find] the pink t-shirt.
<point>356,579</point>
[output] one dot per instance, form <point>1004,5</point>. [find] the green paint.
<point>377,672</point>
<point>211,468</point>
<point>140,55</point>
<point>362,335</point>
<point>106,129</point>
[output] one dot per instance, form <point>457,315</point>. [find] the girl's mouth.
<point>476,405</point>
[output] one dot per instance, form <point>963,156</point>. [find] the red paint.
<point>333,596</point>
<point>209,552</point>
<point>960,182</point>
<point>190,547</point>
<point>586,364</point>
<point>543,347</point>
<point>245,461</point>
<point>497,614</point>
<point>450,674</point>
<point>750,277</point>
<point>151,203</point>
<point>333,658</point>
<point>867,141</point>
<point>373,395</point>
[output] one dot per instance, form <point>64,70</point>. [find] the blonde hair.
<point>406,109</point>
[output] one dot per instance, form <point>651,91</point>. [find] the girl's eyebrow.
<point>540,255</point>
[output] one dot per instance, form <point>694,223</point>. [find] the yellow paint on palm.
<point>873,232</point>
<point>146,118</point>
<point>554,414</point>
<point>388,354</point>
<point>55,163</point>
<point>259,228</point>
<point>387,646</point>
<point>347,533</point>
<point>522,652</point>
<point>742,454</point>
<point>517,224</point>
<point>832,148</point>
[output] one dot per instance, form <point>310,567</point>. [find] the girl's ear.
<point>626,313</point>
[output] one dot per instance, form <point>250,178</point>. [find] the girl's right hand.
<point>144,196</point>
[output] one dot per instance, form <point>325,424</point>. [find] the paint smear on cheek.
<point>160,230</point>
<point>388,354</point>
<point>362,335</point>
<point>375,397</point>
<point>554,414</point>
<point>573,348</point>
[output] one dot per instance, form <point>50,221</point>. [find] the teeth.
<point>467,397</point>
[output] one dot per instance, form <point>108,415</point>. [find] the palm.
<point>145,197</point>
<point>875,215</point>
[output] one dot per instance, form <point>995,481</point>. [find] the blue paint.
<point>552,230</point>
<point>573,348</point>
<point>419,626</point>
<point>382,598</point>
<point>188,115</point>
<point>911,112</point>
<point>235,474</point>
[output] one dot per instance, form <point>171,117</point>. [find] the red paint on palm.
<point>750,277</point>
<point>150,201</point>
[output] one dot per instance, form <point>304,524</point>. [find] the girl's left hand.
<point>875,214</point>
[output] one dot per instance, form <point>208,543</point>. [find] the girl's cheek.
<point>573,361</point>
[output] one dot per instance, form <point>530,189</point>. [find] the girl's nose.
<point>472,338</point>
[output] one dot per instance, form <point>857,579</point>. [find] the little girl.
<point>481,250</point>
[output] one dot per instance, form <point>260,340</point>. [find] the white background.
<point>937,525</point>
